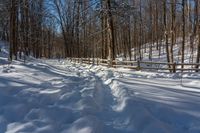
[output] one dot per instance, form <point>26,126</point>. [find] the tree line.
<point>29,27</point>
<point>103,29</point>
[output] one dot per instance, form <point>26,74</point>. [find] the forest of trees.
<point>100,28</point>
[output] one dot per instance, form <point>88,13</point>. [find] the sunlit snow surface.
<point>50,96</point>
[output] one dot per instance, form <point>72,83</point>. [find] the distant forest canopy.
<point>100,28</point>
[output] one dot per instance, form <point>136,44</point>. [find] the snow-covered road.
<point>51,96</point>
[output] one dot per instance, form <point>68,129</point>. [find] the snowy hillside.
<point>145,50</point>
<point>50,96</point>
<point>176,52</point>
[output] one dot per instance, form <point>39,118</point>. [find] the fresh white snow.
<point>51,96</point>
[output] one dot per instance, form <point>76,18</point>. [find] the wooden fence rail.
<point>141,65</point>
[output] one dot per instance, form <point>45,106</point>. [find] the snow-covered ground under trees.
<point>51,96</point>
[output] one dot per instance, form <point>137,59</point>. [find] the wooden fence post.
<point>138,65</point>
<point>93,61</point>
<point>174,67</point>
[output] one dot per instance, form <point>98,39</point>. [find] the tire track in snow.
<point>95,103</point>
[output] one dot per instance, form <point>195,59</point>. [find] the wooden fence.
<point>141,65</point>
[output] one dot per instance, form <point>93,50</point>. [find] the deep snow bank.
<point>61,97</point>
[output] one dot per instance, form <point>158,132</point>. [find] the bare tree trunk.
<point>13,29</point>
<point>111,40</point>
<point>141,32</point>
<point>198,32</point>
<point>26,4</point>
<point>173,34</point>
<point>166,31</point>
<point>183,30</point>
<point>77,28</point>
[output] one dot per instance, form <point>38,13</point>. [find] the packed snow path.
<point>61,97</point>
